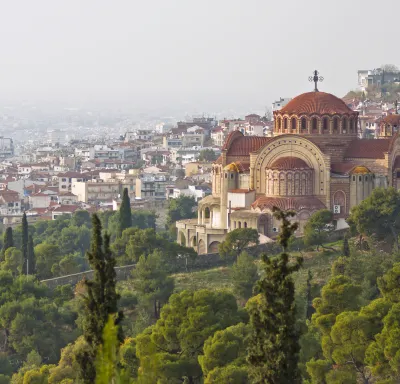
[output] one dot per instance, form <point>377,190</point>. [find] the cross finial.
<point>316,79</point>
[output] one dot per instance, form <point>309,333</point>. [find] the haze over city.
<point>198,55</point>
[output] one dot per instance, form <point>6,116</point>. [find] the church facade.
<point>315,160</point>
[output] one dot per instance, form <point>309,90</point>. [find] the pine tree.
<point>31,257</point>
<point>346,247</point>
<point>274,342</point>
<point>8,241</point>
<point>25,243</point>
<point>100,301</point>
<point>125,213</point>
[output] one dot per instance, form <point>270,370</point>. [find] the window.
<point>279,122</point>
<point>64,179</point>
<point>354,178</point>
<point>344,125</point>
<point>231,175</point>
<point>359,178</point>
<point>325,124</point>
<point>240,224</point>
<point>294,124</point>
<point>285,123</point>
<point>245,224</point>
<point>335,124</point>
<point>314,124</point>
<point>63,186</point>
<point>303,123</point>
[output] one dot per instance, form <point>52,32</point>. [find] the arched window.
<point>325,124</point>
<point>303,123</point>
<point>294,124</point>
<point>245,224</point>
<point>344,125</point>
<point>351,125</point>
<point>279,123</point>
<point>240,224</point>
<point>285,123</point>
<point>314,124</point>
<point>335,124</point>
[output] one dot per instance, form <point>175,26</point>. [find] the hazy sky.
<point>208,53</point>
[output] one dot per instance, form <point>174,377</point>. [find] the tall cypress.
<point>346,247</point>
<point>100,301</point>
<point>31,267</point>
<point>274,347</point>
<point>125,213</point>
<point>25,243</point>
<point>8,241</point>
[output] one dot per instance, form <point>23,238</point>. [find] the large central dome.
<point>320,103</point>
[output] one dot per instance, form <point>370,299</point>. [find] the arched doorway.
<point>202,247</point>
<point>182,238</point>
<point>213,247</point>
<point>263,225</point>
<point>193,241</point>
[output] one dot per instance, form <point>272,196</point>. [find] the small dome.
<point>288,163</point>
<point>316,102</point>
<point>361,170</point>
<point>232,167</point>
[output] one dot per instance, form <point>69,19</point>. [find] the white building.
<point>279,104</point>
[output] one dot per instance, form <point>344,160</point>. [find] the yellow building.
<point>315,160</point>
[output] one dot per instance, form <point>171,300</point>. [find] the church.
<point>315,160</point>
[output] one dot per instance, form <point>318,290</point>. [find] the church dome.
<point>320,103</point>
<point>289,163</point>
<point>391,119</point>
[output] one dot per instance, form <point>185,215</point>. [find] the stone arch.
<point>213,247</point>
<point>201,247</point>
<point>293,124</point>
<point>339,198</point>
<point>296,146</point>
<point>193,241</point>
<point>182,238</point>
<point>262,225</point>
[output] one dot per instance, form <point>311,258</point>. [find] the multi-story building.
<point>152,186</point>
<point>96,191</point>
<point>278,104</point>
<point>190,139</point>
<point>104,152</point>
<point>66,179</point>
<point>6,147</point>
<point>10,203</point>
<point>378,77</point>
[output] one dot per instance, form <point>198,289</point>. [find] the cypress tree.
<point>100,301</point>
<point>25,243</point>
<point>274,347</point>
<point>8,241</point>
<point>125,213</point>
<point>31,267</point>
<point>346,247</point>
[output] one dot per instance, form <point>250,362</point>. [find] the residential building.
<point>10,203</point>
<point>276,105</point>
<point>152,186</point>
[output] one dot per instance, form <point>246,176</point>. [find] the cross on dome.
<point>316,79</point>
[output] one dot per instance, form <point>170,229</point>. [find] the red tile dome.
<point>289,163</point>
<point>316,102</point>
<point>392,119</point>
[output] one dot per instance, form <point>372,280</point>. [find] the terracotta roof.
<point>316,102</point>
<point>368,148</point>
<point>288,163</point>
<point>288,203</point>
<point>239,145</point>
<point>392,119</point>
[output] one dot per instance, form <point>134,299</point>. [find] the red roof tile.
<point>239,145</point>
<point>316,102</point>
<point>368,148</point>
<point>288,163</point>
<point>288,203</point>
<point>392,119</point>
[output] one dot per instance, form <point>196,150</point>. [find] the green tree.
<point>274,341</point>
<point>318,228</point>
<point>8,241</point>
<point>244,275</point>
<point>31,261</point>
<point>181,208</point>
<point>346,247</point>
<point>46,256</point>
<point>100,301</point>
<point>207,155</point>
<point>125,212</point>
<point>224,349</point>
<point>81,217</point>
<point>152,283</point>
<point>379,215</point>
<point>13,261</point>
<point>169,350</point>
<point>25,235</point>
<point>236,241</point>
